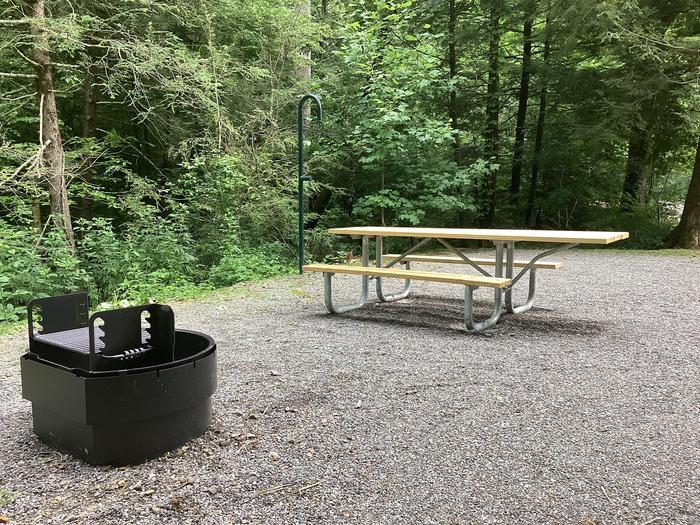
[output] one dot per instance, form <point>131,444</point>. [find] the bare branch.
<point>62,64</point>
<point>32,62</point>
<point>16,75</point>
<point>16,22</point>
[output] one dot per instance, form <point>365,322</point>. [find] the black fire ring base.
<point>128,416</point>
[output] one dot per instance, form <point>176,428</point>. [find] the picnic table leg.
<point>497,298</point>
<point>379,248</point>
<point>510,249</point>
<point>328,289</point>
<point>469,310</point>
<point>533,276</point>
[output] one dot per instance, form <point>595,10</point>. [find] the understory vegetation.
<point>148,147</point>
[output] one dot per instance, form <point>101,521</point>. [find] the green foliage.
<point>189,172</point>
<point>428,199</point>
<point>239,265</point>
<point>188,181</point>
<point>150,259</point>
<point>30,267</point>
<point>647,225</point>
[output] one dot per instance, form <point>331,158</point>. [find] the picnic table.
<point>501,280</point>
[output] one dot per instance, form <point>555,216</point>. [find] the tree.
<point>49,127</point>
<point>687,233</point>
<point>523,94</point>
<point>170,125</point>
<point>641,29</point>
<point>491,136</point>
<point>635,185</point>
<point>89,126</point>
<point>539,131</point>
<point>452,65</point>
<point>304,67</point>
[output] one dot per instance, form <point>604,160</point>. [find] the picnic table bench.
<point>502,280</point>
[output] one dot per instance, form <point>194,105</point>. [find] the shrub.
<point>240,264</point>
<point>647,227</point>
<point>32,266</point>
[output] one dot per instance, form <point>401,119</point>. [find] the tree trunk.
<point>488,215</point>
<point>303,69</point>
<point>687,233</point>
<point>452,60</point>
<point>89,128</point>
<point>36,214</point>
<point>517,168</point>
<point>50,131</point>
<point>634,189</point>
<point>539,133</point>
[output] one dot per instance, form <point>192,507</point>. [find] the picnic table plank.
<point>554,236</point>
<point>437,258</point>
<point>439,277</point>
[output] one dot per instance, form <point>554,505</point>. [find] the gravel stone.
<point>585,410</point>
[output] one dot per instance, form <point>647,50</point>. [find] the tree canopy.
<point>147,147</point>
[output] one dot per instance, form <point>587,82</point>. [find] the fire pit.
<point>118,387</point>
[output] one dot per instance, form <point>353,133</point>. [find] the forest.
<point>148,147</point>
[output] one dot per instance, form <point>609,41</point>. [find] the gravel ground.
<point>582,411</point>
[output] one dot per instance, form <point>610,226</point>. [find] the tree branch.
<point>16,75</point>
<point>16,22</point>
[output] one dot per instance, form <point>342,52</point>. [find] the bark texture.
<point>539,132</point>
<point>635,186</point>
<point>89,129</point>
<point>687,233</point>
<point>50,128</point>
<point>491,149</point>
<point>452,62</point>
<point>304,68</point>
<point>523,94</point>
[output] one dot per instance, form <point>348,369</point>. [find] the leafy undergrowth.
<point>167,294</point>
<point>153,262</point>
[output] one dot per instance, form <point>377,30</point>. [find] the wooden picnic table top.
<point>554,236</point>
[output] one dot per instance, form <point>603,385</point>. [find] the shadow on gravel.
<point>437,317</point>
<point>556,325</point>
<point>445,314</point>
<point>438,300</point>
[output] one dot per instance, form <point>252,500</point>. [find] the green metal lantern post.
<point>302,177</point>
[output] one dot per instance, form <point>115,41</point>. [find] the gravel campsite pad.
<point>582,411</point>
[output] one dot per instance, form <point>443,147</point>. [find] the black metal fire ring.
<point>116,411</point>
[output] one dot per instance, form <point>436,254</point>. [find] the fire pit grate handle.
<point>122,333</point>
<point>129,354</point>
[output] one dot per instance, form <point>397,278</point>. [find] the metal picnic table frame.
<point>504,242</point>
